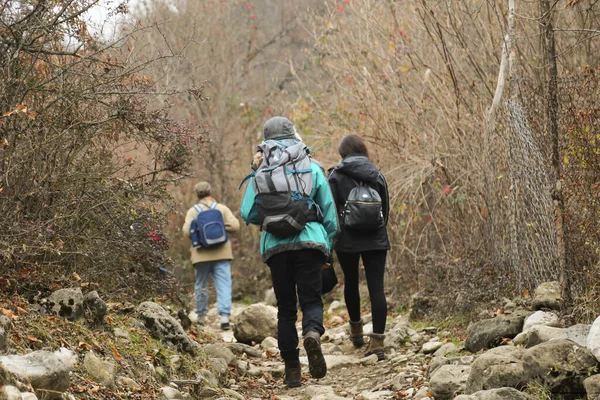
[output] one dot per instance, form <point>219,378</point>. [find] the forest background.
<point>483,115</point>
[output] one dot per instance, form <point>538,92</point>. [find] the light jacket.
<point>222,252</point>
<point>315,235</point>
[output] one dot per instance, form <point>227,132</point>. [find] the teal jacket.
<point>318,236</point>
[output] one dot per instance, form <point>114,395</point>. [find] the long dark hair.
<point>352,144</point>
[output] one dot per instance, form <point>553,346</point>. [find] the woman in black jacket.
<point>371,244</point>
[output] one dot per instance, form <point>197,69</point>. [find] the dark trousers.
<point>374,262</point>
<point>297,271</point>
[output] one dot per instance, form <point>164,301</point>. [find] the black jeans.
<point>374,262</point>
<point>297,270</point>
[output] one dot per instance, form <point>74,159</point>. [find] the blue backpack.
<point>208,228</point>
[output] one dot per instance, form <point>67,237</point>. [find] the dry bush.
<point>73,196</point>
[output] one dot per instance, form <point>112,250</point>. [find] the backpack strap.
<point>213,205</point>
<point>198,208</point>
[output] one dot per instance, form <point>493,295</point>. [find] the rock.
<point>383,394</point>
<point>255,323</point>
<point>270,298</point>
<point>336,320</point>
<point>3,339</point>
<point>175,362</point>
<point>169,393</point>
<point>218,350</point>
<point>335,361</point>
<point>431,347</point>
<point>465,397</point>
<point>448,381</point>
<point>268,343</point>
<point>233,394</point>
<point>5,323</point>
<point>121,333</point>
<point>208,377</point>
<point>421,304</point>
<point>541,318</point>
<point>592,386</point>
<point>100,371</point>
<point>506,393</point>
<point>128,383</point>
<point>241,349</point>
<point>46,372</point>
<point>497,368</point>
<point>369,360</point>
<point>446,349</point>
<point>437,362</point>
<point>489,333</point>
<point>397,337</point>
<point>592,341</point>
<point>541,333</point>
<point>10,393</point>
<point>317,392</point>
<point>333,306</point>
<point>422,393</point>
<point>66,303</point>
<point>94,306</point>
<point>219,366</point>
<point>560,365</point>
<point>28,396</point>
<point>164,327</point>
<point>208,393</point>
<point>548,295</point>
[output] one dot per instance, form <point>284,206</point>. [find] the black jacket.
<point>341,180</point>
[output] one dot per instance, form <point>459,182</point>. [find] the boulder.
<point>437,362</point>
<point>94,307</point>
<point>446,349</point>
<point>208,377</point>
<point>255,323</point>
<point>507,393</point>
<point>169,393</point>
<point>448,381</point>
<point>10,393</point>
<point>66,303</point>
<point>269,343</point>
<point>164,327</point>
<point>397,337</point>
<point>219,367</point>
<point>431,347</point>
<point>218,350</point>
<point>592,386</point>
<point>100,371</point>
<point>592,341</point>
<point>46,372</point>
<point>489,333</point>
<point>560,365</point>
<point>241,349</point>
<point>541,318</point>
<point>500,367</point>
<point>541,333</point>
<point>548,295</point>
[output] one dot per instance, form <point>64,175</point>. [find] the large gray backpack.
<point>283,184</point>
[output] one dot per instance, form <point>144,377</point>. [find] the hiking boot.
<point>316,362</point>
<point>356,333</point>
<point>225,323</point>
<point>293,372</point>
<point>376,346</point>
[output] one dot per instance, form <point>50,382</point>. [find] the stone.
<point>541,333</point>
<point>3,339</point>
<point>170,393</point>
<point>488,333</point>
<point>121,333</point>
<point>431,347</point>
<point>448,381</point>
<point>383,394</point>
<point>255,323</point>
<point>506,393</point>
<point>232,394</point>
<point>218,350</point>
<point>208,392</point>
<point>5,323</point>
<point>127,383</point>
<point>369,360</point>
<point>592,341</point>
<point>541,318</point>
<point>446,349</point>
<point>336,320</point>
<point>94,307</point>
<point>397,337</point>
<point>268,343</point>
<point>66,303</point>
<point>497,368</point>
<point>47,372</point>
<point>548,295</point>
<point>592,386</point>
<point>164,327</point>
<point>208,377</point>
<point>10,393</point>
<point>465,397</point>
<point>560,365</point>
<point>175,362</point>
<point>219,367</point>
<point>437,362</point>
<point>335,361</point>
<point>422,393</point>
<point>333,306</point>
<point>270,298</point>
<point>318,392</point>
<point>100,371</point>
<point>28,396</point>
<point>240,349</point>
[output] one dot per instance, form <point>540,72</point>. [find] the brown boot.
<point>316,362</point>
<point>376,346</point>
<point>356,333</point>
<point>293,373</point>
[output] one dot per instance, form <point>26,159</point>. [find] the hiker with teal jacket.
<point>289,198</point>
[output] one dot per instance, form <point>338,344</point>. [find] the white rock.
<point>10,393</point>
<point>334,306</point>
<point>541,318</point>
<point>431,347</point>
<point>269,342</point>
<point>169,393</point>
<point>593,339</point>
<point>369,360</point>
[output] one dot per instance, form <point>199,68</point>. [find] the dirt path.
<point>350,376</point>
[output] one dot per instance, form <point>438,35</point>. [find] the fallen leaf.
<point>76,277</point>
<point>116,354</point>
<point>7,313</point>
<point>85,345</point>
<point>525,293</point>
<point>33,339</point>
<point>22,311</point>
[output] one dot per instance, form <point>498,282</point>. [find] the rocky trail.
<point>70,346</point>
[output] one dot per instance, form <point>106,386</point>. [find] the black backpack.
<point>363,209</point>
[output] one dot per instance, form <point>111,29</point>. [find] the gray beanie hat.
<point>202,189</point>
<point>279,128</point>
